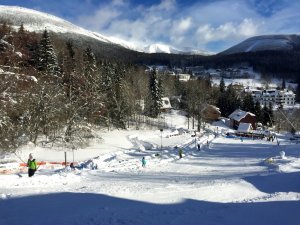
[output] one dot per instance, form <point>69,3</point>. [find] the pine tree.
<point>267,115</point>
<point>89,61</point>
<point>222,85</point>
<point>248,104</point>
<point>228,101</point>
<point>258,111</point>
<point>283,85</point>
<point>47,59</point>
<point>155,98</point>
<point>271,114</point>
<point>298,91</point>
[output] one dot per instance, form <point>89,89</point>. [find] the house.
<point>184,77</point>
<point>210,113</point>
<point>240,116</point>
<point>245,127</point>
<point>166,105</point>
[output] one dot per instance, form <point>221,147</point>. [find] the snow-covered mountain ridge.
<point>162,48</point>
<point>266,42</point>
<point>38,21</point>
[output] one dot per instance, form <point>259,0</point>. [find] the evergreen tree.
<point>228,101</point>
<point>248,103</point>
<point>154,102</point>
<point>258,112</point>
<point>47,59</point>
<point>271,114</point>
<point>283,85</point>
<point>89,63</point>
<point>298,91</point>
<point>113,79</point>
<point>267,115</point>
<point>222,85</point>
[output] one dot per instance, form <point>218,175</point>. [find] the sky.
<point>211,25</point>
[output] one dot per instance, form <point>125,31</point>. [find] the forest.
<point>55,88</point>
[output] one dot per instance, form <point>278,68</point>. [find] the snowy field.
<point>229,181</point>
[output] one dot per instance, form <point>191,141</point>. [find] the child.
<point>143,162</point>
<point>31,164</point>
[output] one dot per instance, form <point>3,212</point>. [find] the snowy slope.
<point>163,48</point>
<point>228,182</point>
<point>38,21</point>
<point>266,42</point>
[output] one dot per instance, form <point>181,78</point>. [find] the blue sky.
<point>212,25</point>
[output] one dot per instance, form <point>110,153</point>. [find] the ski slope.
<point>228,182</point>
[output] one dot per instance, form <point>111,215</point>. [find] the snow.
<point>227,182</point>
<point>265,42</point>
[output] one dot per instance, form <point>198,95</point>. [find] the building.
<point>240,116</point>
<point>166,105</point>
<point>210,113</point>
<point>273,96</point>
<point>245,127</point>
<point>184,77</point>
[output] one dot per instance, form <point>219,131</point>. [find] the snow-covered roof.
<point>166,103</point>
<point>245,127</point>
<point>239,114</point>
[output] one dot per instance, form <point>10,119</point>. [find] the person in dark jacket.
<point>31,164</point>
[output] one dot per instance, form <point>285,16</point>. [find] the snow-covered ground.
<point>228,182</point>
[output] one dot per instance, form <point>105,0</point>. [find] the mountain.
<point>266,43</point>
<point>162,48</point>
<point>38,21</point>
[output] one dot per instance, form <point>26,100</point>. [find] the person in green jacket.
<point>31,164</point>
<point>180,152</point>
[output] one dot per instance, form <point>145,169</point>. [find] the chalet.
<point>184,77</point>
<point>245,127</point>
<point>166,105</point>
<point>210,113</point>
<point>240,116</point>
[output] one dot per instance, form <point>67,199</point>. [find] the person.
<point>72,166</point>
<point>180,153</point>
<point>198,146</point>
<point>143,162</point>
<point>31,164</point>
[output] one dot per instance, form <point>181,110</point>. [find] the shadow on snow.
<point>94,209</point>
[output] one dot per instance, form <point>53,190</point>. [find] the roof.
<point>166,103</point>
<point>245,127</point>
<point>239,114</point>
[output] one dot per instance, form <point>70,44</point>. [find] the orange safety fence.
<point>51,163</point>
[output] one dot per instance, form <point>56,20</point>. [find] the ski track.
<point>224,171</point>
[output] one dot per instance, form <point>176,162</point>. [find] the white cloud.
<point>184,24</point>
<point>100,18</point>
<point>228,30</point>
<point>194,26</point>
<point>248,28</point>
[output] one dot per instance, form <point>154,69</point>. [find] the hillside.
<point>266,43</point>
<point>271,54</point>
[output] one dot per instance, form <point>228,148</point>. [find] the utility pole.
<point>161,131</point>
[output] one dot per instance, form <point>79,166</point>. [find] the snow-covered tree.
<point>155,99</point>
<point>47,59</point>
